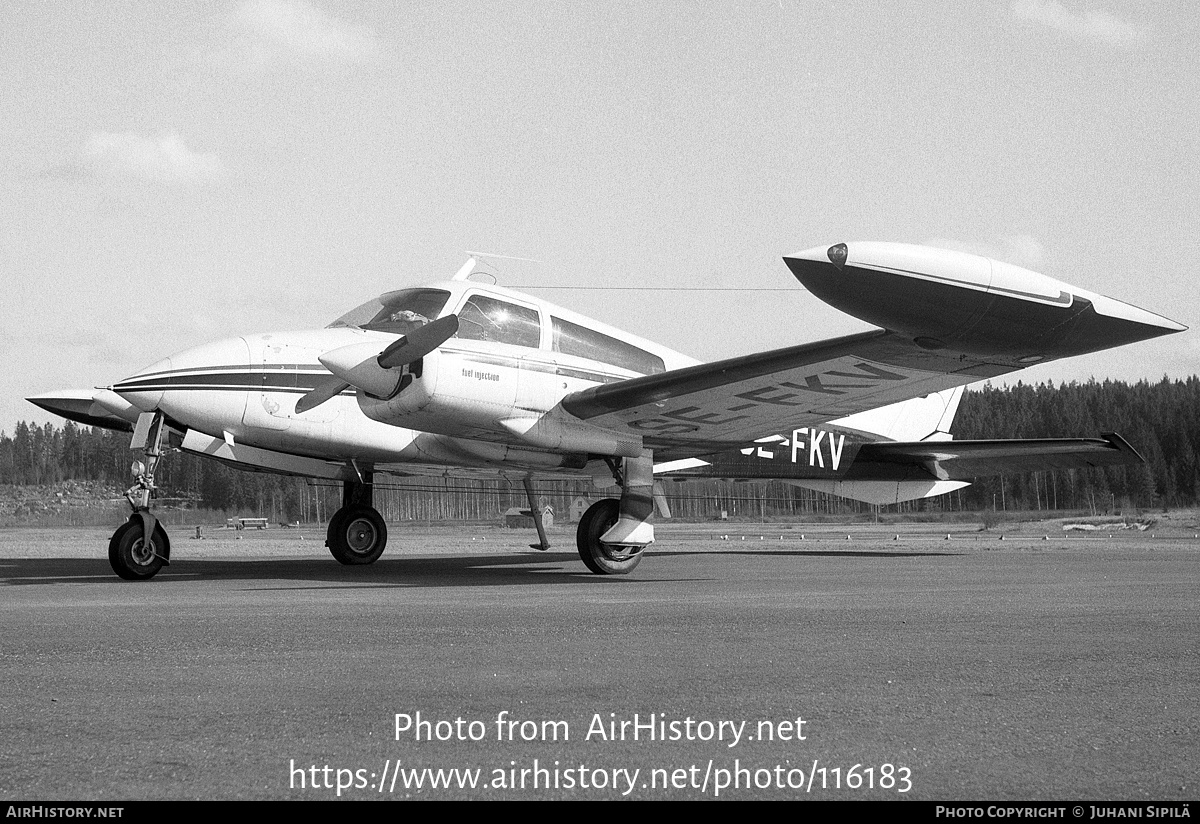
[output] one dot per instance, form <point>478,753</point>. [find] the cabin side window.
<point>573,339</point>
<point>489,319</point>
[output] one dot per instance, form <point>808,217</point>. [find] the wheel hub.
<point>361,536</point>
<point>142,552</point>
<point>616,552</point>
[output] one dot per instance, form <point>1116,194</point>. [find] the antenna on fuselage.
<point>467,269</point>
<point>485,259</point>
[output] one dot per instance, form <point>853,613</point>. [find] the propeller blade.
<point>419,342</point>
<point>320,394</point>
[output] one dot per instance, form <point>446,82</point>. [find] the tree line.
<point>1161,420</point>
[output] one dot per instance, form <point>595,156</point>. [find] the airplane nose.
<point>175,383</point>
<point>145,389</point>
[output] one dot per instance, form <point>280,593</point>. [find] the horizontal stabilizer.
<point>889,473</point>
<point>965,460</point>
<point>831,462</point>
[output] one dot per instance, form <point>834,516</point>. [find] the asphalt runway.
<point>916,668</point>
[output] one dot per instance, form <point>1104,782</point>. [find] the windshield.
<point>396,312</point>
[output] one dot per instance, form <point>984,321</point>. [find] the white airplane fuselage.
<point>474,402</point>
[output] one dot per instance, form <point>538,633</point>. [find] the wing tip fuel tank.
<point>952,300</point>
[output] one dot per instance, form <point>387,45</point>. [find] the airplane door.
<point>300,371</point>
<point>264,400</point>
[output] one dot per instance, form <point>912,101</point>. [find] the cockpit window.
<point>484,318</point>
<point>396,312</point>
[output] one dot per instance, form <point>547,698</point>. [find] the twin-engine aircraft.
<point>463,378</point>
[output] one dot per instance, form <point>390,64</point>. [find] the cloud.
<point>1095,25</point>
<point>268,32</point>
<point>1020,250</point>
<point>128,155</point>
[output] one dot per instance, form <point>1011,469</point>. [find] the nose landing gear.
<point>140,546</point>
<point>133,557</point>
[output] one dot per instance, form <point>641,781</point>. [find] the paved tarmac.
<point>945,670</point>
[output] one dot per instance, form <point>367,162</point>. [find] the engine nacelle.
<point>417,401</point>
<point>511,399</point>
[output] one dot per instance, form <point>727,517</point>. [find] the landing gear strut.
<point>357,533</point>
<point>613,533</point>
<point>535,512</point>
<point>140,547</point>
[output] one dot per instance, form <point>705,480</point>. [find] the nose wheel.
<point>133,557</point>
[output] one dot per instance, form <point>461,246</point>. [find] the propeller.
<point>419,342</point>
<point>323,392</point>
<point>357,365</point>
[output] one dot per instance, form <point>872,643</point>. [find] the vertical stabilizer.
<point>920,419</point>
<point>951,397</point>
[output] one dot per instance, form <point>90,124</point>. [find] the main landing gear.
<point>140,547</point>
<point>599,557</point>
<point>357,533</point>
<point>613,533</point>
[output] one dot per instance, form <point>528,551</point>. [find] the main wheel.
<point>601,558</point>
<point>132,557</point>
<point>357,535</point>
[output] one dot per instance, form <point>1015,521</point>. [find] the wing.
<point>720,405</point>
<point>948,319</point>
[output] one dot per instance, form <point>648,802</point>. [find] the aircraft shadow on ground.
<point>449,571</point>
<point>812,553</point>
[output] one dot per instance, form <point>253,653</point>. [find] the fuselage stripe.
<point>290,377</point>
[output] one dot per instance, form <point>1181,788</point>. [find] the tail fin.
<point>920,419</point>
<point>951,398</point>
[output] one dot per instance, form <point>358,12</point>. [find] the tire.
<point>357,535</point>
<point>601,558</point>
<point>129,555</point>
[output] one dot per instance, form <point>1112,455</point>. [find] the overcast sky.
<point>177,172</point>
